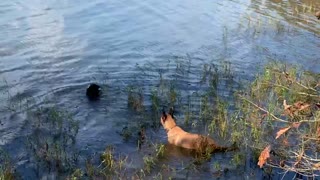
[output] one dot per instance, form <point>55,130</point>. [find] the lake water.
<point>51,50</point>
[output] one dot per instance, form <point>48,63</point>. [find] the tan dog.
<point>318,14</point>
<point>181,138</point>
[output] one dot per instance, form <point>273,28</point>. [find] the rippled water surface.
<point>51,50</point>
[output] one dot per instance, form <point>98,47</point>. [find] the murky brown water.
<point>50,50</point>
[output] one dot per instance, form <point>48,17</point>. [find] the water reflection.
<point>299,14</point>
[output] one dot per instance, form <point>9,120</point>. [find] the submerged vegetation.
<point>275,122</point>
<point>6,169</point>
<point>51,144</point>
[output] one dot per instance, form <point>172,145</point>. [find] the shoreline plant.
<point>279,119</point>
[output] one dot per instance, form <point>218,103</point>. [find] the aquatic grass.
<point>202,156</point>
<point>159,148</point>
<point>213,80</point>
<point>149,163</point>
<point>126,133</point>
<point>90,169</point>
<point>76,175</point>
<point>135,98</point>
<point>52,141</point>
<point>206,110</point>
<point>156,102</point>
<point>225,39</point>
<point>205,72</point>
<point>158,176</point>
<point>213,77</point>
<point>173,95</point>
<point>217,165</point>
<point>6,172</point>
<point>51,136</point>
<point>191,108</point>
<point>219,119</point>
<point>238,159</point>
<point>113,167</point>
<point>15,101</point>
<point>108,159</point>
<point>6,168</point>
<point>155,99</point>
<point>227,72</point>
<point>151,160</point>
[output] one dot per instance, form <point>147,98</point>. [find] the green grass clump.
<point>135,98</point>
<point>76,175</point>
<point>112,164</point>
<point>149,163</point>
<point>6,169</point>
<point>52,141</point>
<point>151,160</point>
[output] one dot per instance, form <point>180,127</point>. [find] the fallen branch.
<point>264,110</point>
<point>290,89</point>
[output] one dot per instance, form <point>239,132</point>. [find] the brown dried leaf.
<point>298,104</point>
<point>287,76</point>
<point>282,131</point>
<point>292,109</point>
<point>301,105</point>
<point>295,125</point>
<point>265,154</point>
<point>285,105</point>
<point>318,131</point>
<point>288,109</point>
<point>289,112</point>
<point>264,115</point>
<point>305,106</point>
<point>317,165</point>
<point>299,158</point>
<point>285,142</point>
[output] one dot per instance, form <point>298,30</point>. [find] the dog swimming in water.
<point>178,137</point>
<point>93,91</point>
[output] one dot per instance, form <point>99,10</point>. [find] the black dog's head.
<point>93,91</point>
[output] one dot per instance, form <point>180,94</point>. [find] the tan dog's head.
<point>318,14</point>
<point>167,119</point>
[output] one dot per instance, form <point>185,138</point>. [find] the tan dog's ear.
<point>171,112</point>
<point>164,115</point>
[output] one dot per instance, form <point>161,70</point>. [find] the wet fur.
<point>93,91</point>
<point>177,136</point>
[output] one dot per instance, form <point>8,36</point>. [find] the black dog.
<point>93,91</point>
